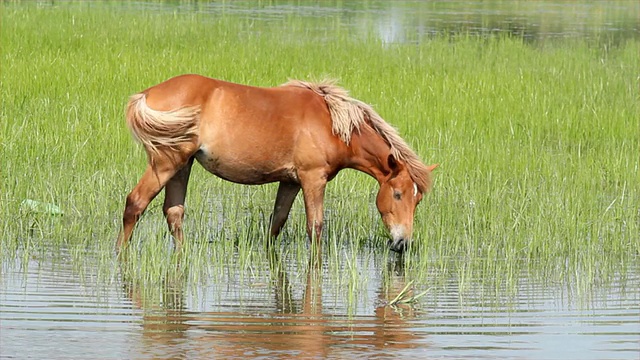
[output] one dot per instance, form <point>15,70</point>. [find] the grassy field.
<point>538,143</point>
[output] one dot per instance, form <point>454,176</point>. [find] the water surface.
<point>277,310</point>
<point>416,21</point>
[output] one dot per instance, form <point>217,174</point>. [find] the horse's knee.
<point>133,209</point>
<point>174,216</point>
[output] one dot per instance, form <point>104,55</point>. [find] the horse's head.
<point>397,200</point>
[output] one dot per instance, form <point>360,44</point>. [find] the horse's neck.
<point>369,153</point>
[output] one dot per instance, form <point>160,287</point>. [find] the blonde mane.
<point>349,114</point>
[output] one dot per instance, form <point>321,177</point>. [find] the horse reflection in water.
<point>288,326</point>
<point>300,134</point>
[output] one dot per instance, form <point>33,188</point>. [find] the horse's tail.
<point>161,130</point>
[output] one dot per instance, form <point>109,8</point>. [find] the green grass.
<point>538,145</point>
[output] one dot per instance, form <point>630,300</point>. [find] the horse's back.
<point>243,108</point>
<point>181,91</point>
<point>197,90</point>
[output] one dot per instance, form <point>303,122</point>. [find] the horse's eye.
<point>397,194</point>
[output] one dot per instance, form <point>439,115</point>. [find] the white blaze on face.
<point>415,189</point>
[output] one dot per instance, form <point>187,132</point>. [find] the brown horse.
<point>299,134</point>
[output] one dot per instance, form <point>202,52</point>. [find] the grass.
<point>538,145</point>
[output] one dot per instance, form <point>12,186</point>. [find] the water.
<point>417,21</point>
<point>56,310</point>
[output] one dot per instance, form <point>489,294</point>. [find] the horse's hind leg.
<point>175,192</point>
<point>286,195</point>
<point>151,183</point>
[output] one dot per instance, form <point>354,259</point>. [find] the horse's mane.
<point>349,114</point>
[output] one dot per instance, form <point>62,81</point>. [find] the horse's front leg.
<point>313,186</point>
<point>286,195</point>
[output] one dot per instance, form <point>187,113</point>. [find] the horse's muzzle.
<point>398,245</point>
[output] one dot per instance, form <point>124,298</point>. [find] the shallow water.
<point>57,310</point>
<point>416,21</point>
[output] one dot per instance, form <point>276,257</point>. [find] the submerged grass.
<point>538,144</point>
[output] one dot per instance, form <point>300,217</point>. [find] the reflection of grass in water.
<point>538,146</point>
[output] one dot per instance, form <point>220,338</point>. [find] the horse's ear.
<point>432,167</point>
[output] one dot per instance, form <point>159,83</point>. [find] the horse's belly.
<point>246,169</point>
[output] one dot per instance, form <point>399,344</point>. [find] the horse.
<point>300,134</point>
